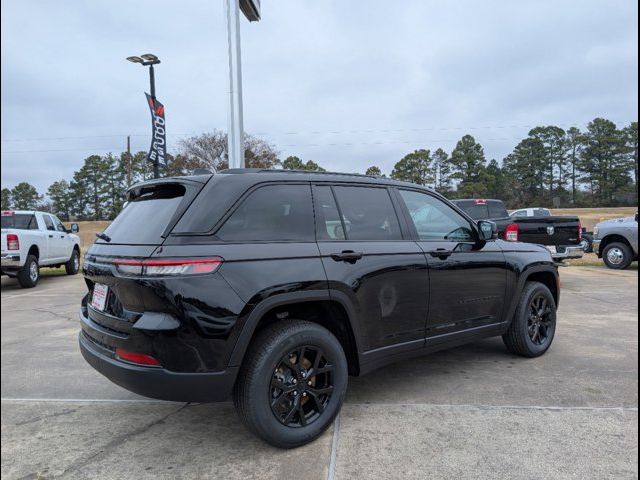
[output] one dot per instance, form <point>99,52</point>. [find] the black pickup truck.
<point>560,234</point>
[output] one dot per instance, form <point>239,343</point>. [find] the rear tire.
<point>72,267</point>
<point>29,275</point>
<point>292,383</point>
<point>534,325</point>
<point>617,256</point>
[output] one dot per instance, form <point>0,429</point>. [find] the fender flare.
<point>256,314</point>
<point>522,280</point>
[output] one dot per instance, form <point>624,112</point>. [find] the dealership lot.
<point>471,412</point>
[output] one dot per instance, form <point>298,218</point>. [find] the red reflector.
<point>138,358</point>
<point>511,233</point>
<point>13,243</point>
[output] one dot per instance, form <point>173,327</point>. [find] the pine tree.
<point>468,164</point>
<point>415,168</point>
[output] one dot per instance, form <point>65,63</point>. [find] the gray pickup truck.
<point>616,242</point>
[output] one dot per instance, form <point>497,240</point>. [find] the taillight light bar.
<point>163,267</point>
<point>579,231</point>
<point>512,232</point>
<point>137,358</point>
<point>13,243</point>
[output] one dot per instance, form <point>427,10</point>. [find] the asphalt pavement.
<point>471,412</point>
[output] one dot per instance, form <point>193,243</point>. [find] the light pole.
<point>235,133</point>
<point>149,60</point>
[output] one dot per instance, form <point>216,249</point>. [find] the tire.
<point>617,256</point>
<point>281,355</point>
<point>520,338</point>
<point>587,243</point>
<point>29,275</point>
<point>72,267</point>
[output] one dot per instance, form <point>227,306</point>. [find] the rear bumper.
<point>566,252</point>
<point>10,261</point>
<point>155,382</point>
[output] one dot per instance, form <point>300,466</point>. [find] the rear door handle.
<point>348,256</point>
<point>50,236</point>
<point>441,253</point>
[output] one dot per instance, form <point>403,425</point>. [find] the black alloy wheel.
<point>301,386</point>
<point>540,322</point>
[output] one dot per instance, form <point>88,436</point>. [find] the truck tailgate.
<point>549,230</point>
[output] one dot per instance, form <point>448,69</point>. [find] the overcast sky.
<point>347,84</point>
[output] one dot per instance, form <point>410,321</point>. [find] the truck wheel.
<point>29,275</point>
<point>73,265</point>
<point>617,256</point>
<point>587,243</point>
<point>292,383</point>
<point>534,324</point>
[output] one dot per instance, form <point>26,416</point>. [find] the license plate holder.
<point>99,297</point>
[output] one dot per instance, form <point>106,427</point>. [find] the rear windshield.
<point>477,211</point>
<point>144,219</point>
<point>21,221</point>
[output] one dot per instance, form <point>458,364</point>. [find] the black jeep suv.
<point>273,286</point>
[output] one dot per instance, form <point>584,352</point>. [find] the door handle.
<point>50,236</point>
<point>441,253</point>
<point>348,256</point>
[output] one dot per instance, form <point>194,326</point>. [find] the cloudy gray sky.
<point>347,84</point>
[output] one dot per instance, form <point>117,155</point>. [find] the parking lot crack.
<point>117,442</point>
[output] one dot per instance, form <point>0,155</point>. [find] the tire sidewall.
<point>523,318</point>
<point>267,424</point>
<point>24,277</point>
<point>71,267</point>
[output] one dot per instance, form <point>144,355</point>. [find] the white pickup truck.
<point>31,240</point>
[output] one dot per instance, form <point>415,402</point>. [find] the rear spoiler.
<point>137,189</point>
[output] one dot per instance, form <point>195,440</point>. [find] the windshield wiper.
<point>103,236</point>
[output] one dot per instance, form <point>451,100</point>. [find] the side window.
<point>519,213</point>
<point>497,210</point>
<point>435,220</point>
<point>328,224</point>
<point>59,225</point>
<point>272,213</point>
<point>48,222</point>
<point>368,213</point>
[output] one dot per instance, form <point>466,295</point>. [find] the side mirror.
<point>75,228</point>
<point>488,230</point>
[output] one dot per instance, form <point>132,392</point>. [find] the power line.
<point>315,132</point>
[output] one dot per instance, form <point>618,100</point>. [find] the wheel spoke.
<point>303,418</point>
<point>317,401</point>
<point>285,387</point>
<point>321,391</point>
<point>294,409</point>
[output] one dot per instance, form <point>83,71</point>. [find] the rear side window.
<point>145,217</point>
<point>270,214</point>
<point>368,213</point>
<point>541,212</point>
<point>20,221</point>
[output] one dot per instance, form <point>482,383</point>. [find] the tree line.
<point>550,167</point>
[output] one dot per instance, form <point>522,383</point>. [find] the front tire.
<point>29,275</point>
<point>617,256</point>
<point>292,383</point>
<point>534,325</point>
<point>72,267</point>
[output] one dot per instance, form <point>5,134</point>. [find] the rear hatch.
<point>11,221</point>
<point>549,230</point>
<point>151,211</point>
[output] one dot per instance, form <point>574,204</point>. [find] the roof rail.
<point>287,170</point>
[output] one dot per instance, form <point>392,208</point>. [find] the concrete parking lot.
<point>471,412</point>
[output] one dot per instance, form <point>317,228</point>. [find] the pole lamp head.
<point>135,59</point>
<point>149,57</point>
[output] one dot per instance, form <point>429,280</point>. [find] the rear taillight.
<point>512,232</point>
<point>137,358</point>
<point>162,267</point>
<point>12,242</point>
<point>579,231</point>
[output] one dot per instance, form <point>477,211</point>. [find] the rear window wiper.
<point>103,236</point>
